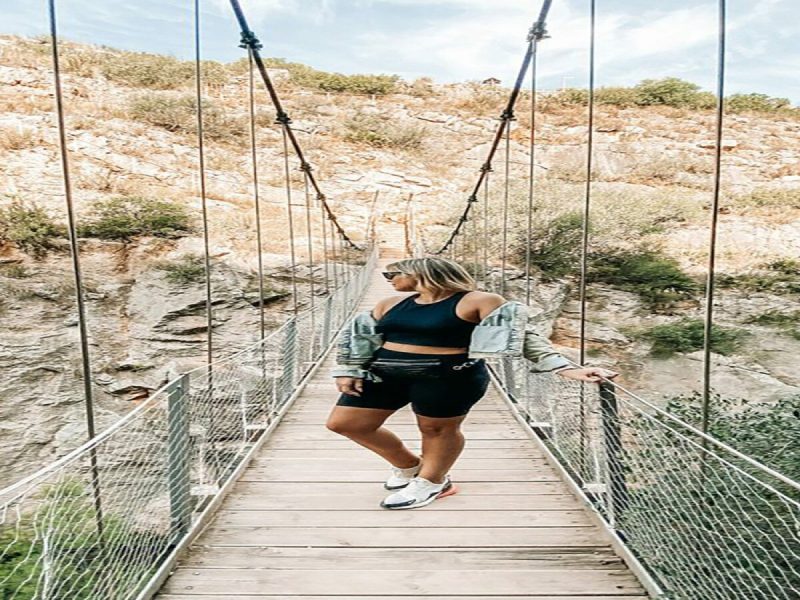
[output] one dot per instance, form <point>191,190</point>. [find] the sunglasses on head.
<point>391,274</point>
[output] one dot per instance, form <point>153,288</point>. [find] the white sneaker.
<point>400,478</point>
<point>418,492</point>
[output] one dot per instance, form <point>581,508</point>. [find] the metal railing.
<point>700,518</point>
<point>72,532</point>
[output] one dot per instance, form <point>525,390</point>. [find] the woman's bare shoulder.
<point>383,305</point>
<point>483,302</point>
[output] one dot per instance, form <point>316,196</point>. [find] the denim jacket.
<point>506,331</point>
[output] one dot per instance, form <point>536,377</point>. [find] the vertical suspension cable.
<point>709,312</point>
<point>76,272</point>
<point>475,248</point>
<point>585,239</point>
<point>486,233</point>
<point>323,219</point>
<point>256,197</point>
<point>310,249</point>
<point>588,188</point>
<point>531,171</point>
<point>335,259</point>
<point>290,216</point>
<point>201,157</point>
<point>506,184</point>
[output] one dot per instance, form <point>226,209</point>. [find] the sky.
<point>458,40</point>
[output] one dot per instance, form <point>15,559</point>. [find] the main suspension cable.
<point>250,41</point>
<point>537,31</point>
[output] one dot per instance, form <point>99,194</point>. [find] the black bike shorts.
<point>451,395</point>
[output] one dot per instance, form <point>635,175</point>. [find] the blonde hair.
<point>434,273</point>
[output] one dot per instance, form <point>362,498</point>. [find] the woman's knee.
<point>439,427</point>
<point>348,427</point>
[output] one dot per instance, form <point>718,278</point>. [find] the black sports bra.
<point>434,324</point>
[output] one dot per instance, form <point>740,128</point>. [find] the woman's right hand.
<point>352,386</point>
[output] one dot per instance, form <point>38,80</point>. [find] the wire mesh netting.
<point>99,523</point>
<point>704,520</point>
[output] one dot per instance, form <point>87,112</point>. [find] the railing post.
<point>179,457</point>
<point>288,360</point>
<point>326,322</point>
<point>508,377</point>
<point>616,490</point>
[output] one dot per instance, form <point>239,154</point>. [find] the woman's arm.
<point>540,346</point>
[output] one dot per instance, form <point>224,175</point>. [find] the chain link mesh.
<point>98,523</point>
<point>704,520</point>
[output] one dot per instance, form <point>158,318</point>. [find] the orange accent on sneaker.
<point>453,490</point>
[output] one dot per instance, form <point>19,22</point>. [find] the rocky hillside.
<point>131,137</point>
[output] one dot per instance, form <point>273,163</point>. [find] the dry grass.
<point>17,138</point>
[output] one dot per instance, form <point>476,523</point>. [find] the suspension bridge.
<point>232,487</point>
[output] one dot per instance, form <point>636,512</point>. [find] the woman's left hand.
<point>593,374</point>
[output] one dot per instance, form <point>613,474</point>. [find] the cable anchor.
<point>249,40</point>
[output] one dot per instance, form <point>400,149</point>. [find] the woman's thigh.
<point>356,419</point>
<point>450,396</point>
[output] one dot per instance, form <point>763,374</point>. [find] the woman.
<point>428,349</point>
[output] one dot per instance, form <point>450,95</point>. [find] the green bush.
<point>787,321</point>
<point>756,103</point>
<point>617,96</point>
<point>657,279</point>
<point>125,217</point>
<point>670,91</point>
<point>703,101</point>
<point>190,268</point>
<point>555,245</point>
<point>159,72</point>
<point>687,335</point>
<point>308,77</point>
<point>179,114</point>
<point>702,505</point>
<point>383,132</point>
<point>780,276</point>
<point>57,542</point>
<point>29,227</point>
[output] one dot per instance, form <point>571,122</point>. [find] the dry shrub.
<point>17,138</point>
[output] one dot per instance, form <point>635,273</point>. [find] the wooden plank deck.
<point>303,522</point>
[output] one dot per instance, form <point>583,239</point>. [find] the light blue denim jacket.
<point>506,331</point>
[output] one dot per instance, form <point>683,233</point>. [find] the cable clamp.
<point>307,168</point>
<point>486,167</point>
<point>472,198</point>
<point>508,115</point>
<point>249,40</point>
<point>538,32</point>
<point>283,119</point>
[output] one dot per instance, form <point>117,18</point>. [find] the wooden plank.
<point>202,596</point>
<point>498,432</point>
<point>344,492</point>
<point>353,451</point>
<point>340,463</point>
<point>343,473</point>
<point>402,537</point>
<point>405,558</point>
<point>407,518</point>
<point>416,583</point>
<point>247,500</point>
<point>412,442</point>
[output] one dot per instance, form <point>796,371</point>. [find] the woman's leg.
<point>442,443</point>
<point>363,426</point>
